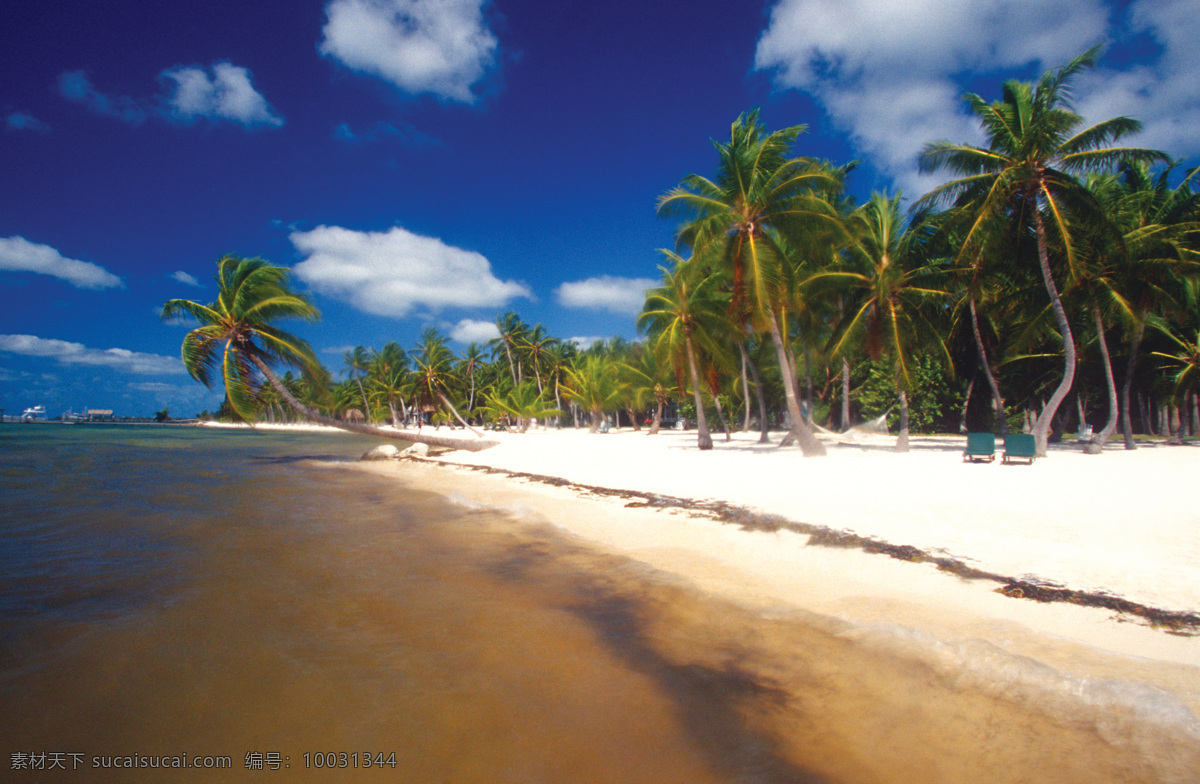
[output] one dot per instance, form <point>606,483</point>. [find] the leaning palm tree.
<point>1035,149</point>
<point>685,311</point>
<point>760,193</point>
<point>237,337</point>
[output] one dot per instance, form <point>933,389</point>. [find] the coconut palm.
<point>760,193</point>
<point>523,403</point>
<point>595,385</point>
<point>1035,147</point>
<point>237,337</point>
<point>433,371</point>
<point>892,294</point>
<point>682,316</point>
<point>512,332</point>
<point>357,362</point>
<point>469,364</point>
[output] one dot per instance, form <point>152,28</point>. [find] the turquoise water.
<point>227,600</point>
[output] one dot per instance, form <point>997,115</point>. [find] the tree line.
<point>1055,266</point>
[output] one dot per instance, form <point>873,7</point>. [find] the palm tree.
<point>759,194</point>
<point>512,331</point>
<point>1026,171</point>
<point>469,364</point>
<point>434,376</point>
<point>891,293</point>
<point>593,383</point>
<point>358,362</point>
<point>536,344</point>
<point>523,403</point>
<point>236,336</point>
<point>683,312</point>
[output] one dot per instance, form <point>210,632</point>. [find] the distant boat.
<point>33,414</point>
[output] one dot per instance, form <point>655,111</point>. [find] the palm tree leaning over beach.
<point>236,337</point>
<point>760,192</point>
<point>1027,172</point>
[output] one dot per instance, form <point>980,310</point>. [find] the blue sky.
<point>437,162</point>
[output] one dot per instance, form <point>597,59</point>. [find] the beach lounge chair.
<point>1019,446</point>
<point>980,446</point>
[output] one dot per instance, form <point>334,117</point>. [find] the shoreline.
<point>718,545</point>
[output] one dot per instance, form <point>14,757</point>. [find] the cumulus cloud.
<point>77,86</point>
<point>69,353</point>
<point>441,47</point>
<point>1164,93</point>
<point>18,254</point>
<point>184,278</point>
<point>390,273</point>
<point>886,72</point>
<point>623,296</point>
<point>22,121</point>
<point>227,95</point>
<point>474,331</point>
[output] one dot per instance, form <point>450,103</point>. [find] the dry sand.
<point>1121,523</point>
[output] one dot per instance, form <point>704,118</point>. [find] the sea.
<point>182,604</point>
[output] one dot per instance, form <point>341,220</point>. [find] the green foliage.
<point>934,404</point>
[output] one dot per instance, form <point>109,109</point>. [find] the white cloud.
<point>22,121</point>
<point>390,273</point>
<point>18,254</point>
<point>442,47</point>
<point>228,95</point>
<point>474,331</point>
<point>1165,93</point>
<point>184,278</point>
<point>584,343</point>
<point>76,86</point>
<point>623,296</point>
<point>69,353</point>
<point>887,72</point>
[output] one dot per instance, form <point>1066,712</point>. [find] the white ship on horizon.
<point>33,414</point>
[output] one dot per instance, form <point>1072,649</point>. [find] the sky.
<point>424,163</point>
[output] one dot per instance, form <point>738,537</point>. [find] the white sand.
<point>1122,522</point>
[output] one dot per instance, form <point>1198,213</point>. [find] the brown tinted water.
<point>210,595</point>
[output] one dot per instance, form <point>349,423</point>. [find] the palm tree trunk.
<point>1096,445</point>
<point>997,400</point>
<point>370,430</point>
<point>902,438</point>
<point>801,432</point>
<point>845,395</point>
<point>1127,387</point>
<point>745,388</point>
<point>762,402</point>
<point>1041,428</point>
<point>703,438</point>
<point>962,420</point>
<point>363,392</point>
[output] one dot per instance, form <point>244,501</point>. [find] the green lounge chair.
<point>980,446</point>
<point>1019,446</point>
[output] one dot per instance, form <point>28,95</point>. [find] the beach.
<point>1122,524</point>
<point>533,612</point>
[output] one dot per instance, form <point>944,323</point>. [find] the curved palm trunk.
<point>1096,445</point>
<point>997,400</point>
<point>363,392</point>
<point>1041,428</point>
<point>1127,390</point>
<point>703,437</point>
<point>446,402</point>
<point>801,432</point>
<point>370,430</point>
<point>657,423</point>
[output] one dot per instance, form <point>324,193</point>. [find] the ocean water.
<point>250,606</point>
